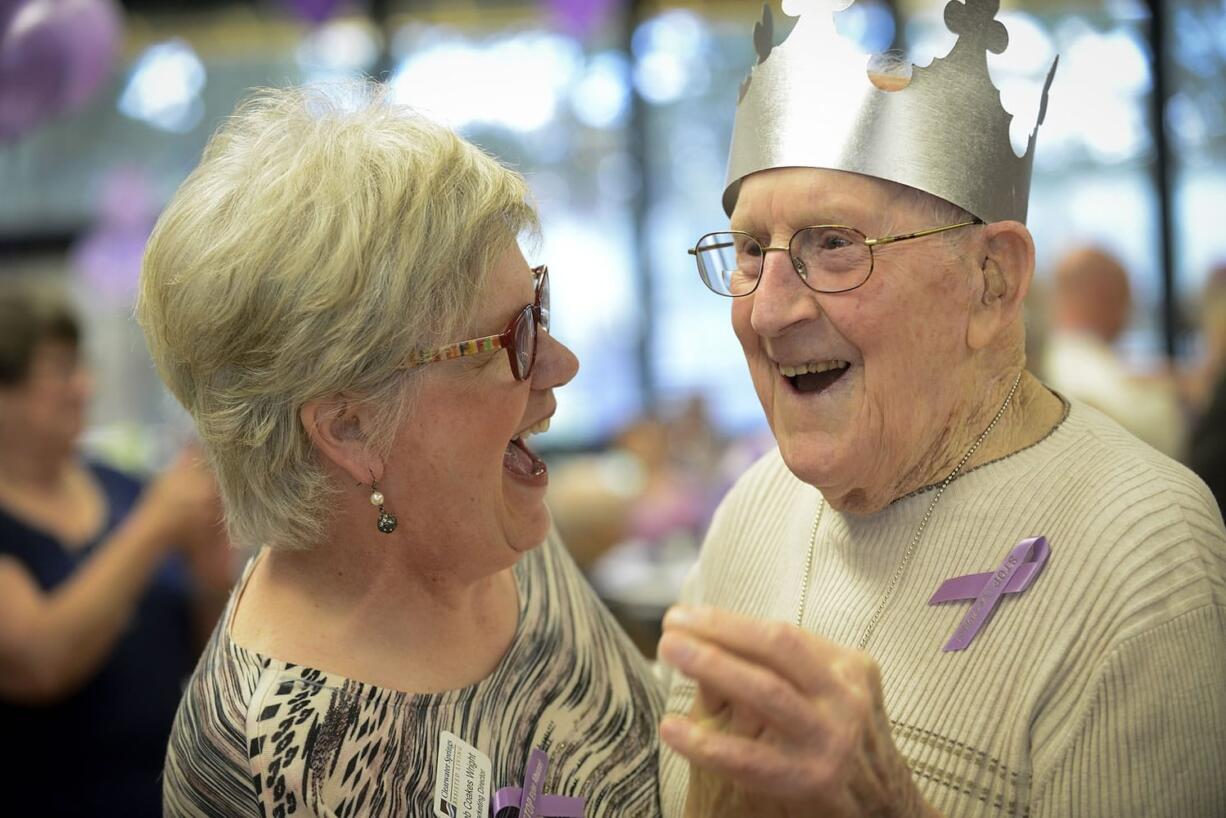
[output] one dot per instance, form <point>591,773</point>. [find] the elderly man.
<point>1090,304</point>
<point>950,591</point>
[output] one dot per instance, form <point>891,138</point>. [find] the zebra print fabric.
<point>257,736</point>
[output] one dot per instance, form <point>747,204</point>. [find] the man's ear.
<point>338,428</point>
<point>1005,269</point>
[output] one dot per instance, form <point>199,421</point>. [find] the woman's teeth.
<point>537,429</point>
<point>811,368</point>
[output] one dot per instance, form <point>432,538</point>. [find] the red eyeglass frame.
<point>537,312</point>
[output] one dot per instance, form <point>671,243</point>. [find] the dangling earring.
<point>387,522</point>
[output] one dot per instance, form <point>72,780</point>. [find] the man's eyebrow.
<point>808,219</point>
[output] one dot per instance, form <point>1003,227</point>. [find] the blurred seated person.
<point>1201,377</point>
<point>1090,307</point>
<point>672,500</point>
<point>659,479</point>
<point>100,610</point>
<point>337,296</point>
<point>1207,444</point>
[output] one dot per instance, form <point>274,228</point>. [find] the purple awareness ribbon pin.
<point>1013,576</point>
<point>530,800</point>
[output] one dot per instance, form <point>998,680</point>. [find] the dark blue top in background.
<point>100,752</point>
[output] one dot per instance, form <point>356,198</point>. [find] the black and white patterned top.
<point>257,736</point>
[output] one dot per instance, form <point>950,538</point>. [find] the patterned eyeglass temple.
<point>488,343</point>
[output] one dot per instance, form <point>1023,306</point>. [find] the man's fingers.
<point>723,676</point>
<point>809,662</point>
<point>753,764</point>
<point>709,704</point>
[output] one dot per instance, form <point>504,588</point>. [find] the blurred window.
<point>623,139</point>
<point>1196,122</point>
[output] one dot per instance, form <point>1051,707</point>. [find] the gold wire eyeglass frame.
<point>537,312</point>
<point>869,243</point>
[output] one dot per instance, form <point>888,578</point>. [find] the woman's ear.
<point>1006,266</point>
<point>338,428</point>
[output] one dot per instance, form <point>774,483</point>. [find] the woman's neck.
<point>366,612</point>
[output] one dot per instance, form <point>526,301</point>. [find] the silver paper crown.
<point>809,102</point>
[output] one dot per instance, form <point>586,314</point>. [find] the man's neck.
<point>1032,413</point>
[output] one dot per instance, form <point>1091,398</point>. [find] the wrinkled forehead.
<point>795,197</point>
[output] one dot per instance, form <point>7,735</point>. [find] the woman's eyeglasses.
<point>519,339</point>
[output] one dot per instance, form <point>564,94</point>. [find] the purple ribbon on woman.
<point>1015,574</point>
<point>530,799</point>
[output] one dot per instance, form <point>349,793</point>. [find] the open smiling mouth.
<point>815,377</point>
<point>521,461</point>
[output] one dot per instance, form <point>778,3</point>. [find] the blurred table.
<point>639,580</point>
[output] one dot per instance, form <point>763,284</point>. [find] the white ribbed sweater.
<point>1100,691</point>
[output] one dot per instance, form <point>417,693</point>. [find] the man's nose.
<point>781,299</point>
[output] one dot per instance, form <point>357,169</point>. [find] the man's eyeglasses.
<point>829,258</point>
<point>519,339</point>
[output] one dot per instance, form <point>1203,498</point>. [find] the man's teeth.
<point>537,429</point>
<point>811,368</point>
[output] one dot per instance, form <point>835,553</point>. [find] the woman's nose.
<point>555,363</point>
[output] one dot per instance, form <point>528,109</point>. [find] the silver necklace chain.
<point>919,532</point>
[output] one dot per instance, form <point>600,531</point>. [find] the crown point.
<point>795,8</point>
<point>889,71</point>
<point>1051,75</point>
<point>777,125</point>
<point>764,34</point>
<point>975,20</point>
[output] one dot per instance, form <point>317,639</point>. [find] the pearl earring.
<point>387,522</point>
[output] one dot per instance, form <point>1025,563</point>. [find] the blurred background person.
<point>1035,315</point>
<point>106,586</point>
<point>1207,444</point>
<point>1207,369</point>
<point>1091,303</point>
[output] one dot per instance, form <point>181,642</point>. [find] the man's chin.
<point>811,457</point>
<point>834,469</point>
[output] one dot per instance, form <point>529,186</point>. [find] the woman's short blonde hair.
<point>326,234</point>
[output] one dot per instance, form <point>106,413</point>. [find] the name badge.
<point>462,784</point>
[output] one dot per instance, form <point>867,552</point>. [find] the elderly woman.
<point>988,600</point>
<point>108,588</point>
<point>337,296</point>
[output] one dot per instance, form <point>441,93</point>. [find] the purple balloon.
<point>32,69</point>
<point>581,18</point>
<point>91,31</point>
<point>7,9</point>
<point>314,11</point>
<point>108,261</point>
<point>54,55</point>
<point>108,257</point>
